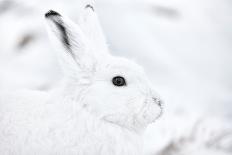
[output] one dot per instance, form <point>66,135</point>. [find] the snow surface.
<point>185,47</point>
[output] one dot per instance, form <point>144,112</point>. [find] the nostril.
<point>157,101</point>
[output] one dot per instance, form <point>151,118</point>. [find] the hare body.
<point>102,108</point>
<point>40,126</point>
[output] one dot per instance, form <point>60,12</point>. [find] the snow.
<point>185,47</point>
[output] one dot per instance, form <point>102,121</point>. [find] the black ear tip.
<point>88,6</point>
<point>51,13</point>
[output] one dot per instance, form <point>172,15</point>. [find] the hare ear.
<point>72,44</point>
<point>90,25</point>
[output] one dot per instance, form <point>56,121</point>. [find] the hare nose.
<point>157,101</point>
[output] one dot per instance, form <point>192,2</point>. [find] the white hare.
<point>102,108</point>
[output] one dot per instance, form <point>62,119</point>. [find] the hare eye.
<point>119,81</point>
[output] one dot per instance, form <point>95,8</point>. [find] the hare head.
<point>113,89</point>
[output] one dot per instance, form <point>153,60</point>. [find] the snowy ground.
<point>185,47</point>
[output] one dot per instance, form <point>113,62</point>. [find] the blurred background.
<point>185,47</point>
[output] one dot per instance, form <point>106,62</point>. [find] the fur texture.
<point>88,114</point>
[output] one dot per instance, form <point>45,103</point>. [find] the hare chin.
<point>149,114</point>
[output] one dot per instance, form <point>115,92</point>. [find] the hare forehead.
<point>122,67</point>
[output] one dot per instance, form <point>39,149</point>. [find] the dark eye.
<point>119,81</point>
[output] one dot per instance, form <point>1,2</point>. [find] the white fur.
<point>87,115</point>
